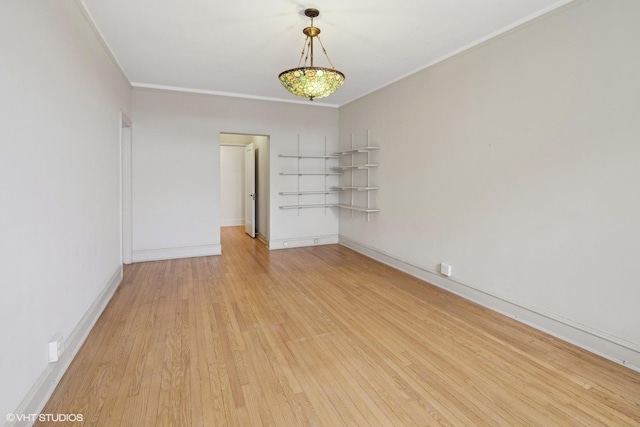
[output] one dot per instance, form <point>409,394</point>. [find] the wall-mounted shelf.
<point>311,174</point>
<point>363,166</point>
<point>295,156</point>
<point>302,193</point>
<point>318,205</point>
<point>357,150</point>
<point>331,205</point>
<point>357,208</point>
<point>359,163</point>
<point>344,188</point>
<point>308,188</point>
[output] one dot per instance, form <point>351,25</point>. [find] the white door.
<point>250,190</point>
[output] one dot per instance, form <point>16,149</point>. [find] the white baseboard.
<point>42,390</point>
<point>612,348</point>
<point>300,242</point>
<point>175,253</point>
<point>231,222</point>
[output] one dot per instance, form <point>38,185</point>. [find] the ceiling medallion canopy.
<point>310,81</point>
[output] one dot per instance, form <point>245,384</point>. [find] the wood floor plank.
<point>323,336</point>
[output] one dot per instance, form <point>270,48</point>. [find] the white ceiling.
<point>239,47</point>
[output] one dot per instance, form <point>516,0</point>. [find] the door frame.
<point>264,195</point>
<point>126,193</point>
<point>250,190</point>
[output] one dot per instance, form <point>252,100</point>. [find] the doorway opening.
<point>244,183</point>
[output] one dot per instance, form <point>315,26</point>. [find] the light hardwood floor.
<point>323,336</point>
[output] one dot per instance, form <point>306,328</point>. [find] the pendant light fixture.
<point>310,81</point>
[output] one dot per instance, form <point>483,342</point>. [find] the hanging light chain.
<point>325,53</point>
<point>304,49</point>
<point>309,51</point>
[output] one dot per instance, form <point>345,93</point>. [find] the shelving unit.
<point>323,169</point>
<point>358,165</point>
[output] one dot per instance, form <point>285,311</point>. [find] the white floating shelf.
<point>357,208</point>
<point>310,174</point>
<point>357,188</point>
<point>296,156</point>
<point>356,150</point>
<point>364,166</point>
<point>302,193</point>
<point>307,206</point>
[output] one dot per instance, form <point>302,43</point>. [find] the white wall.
<point>231,185</point>
<point>59,185</point>
<point>176,174</point>
<point>517,162</point>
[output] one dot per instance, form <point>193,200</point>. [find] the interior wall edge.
<point>43,388</point>
<point>586,339</point>
<point>103,41</point>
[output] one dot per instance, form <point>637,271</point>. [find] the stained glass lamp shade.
<point>309,81</point>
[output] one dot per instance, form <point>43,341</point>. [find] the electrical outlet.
<point>445,269</point>
<point>55,348</point>
<point>316,241</point>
